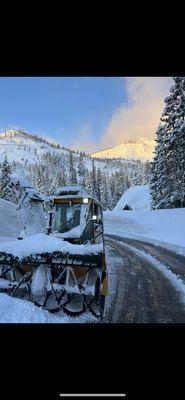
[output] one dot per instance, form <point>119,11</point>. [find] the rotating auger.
<point>73,282</point>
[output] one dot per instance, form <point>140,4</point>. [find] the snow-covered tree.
<point>99,184</point>
<point>72,171</point>
<point>81,170</point>
<point>88,182</point>
<point>94,181</point>
<point>5,180</point>
<point>106,198</point>
<point>168,167</point>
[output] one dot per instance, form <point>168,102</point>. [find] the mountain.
<point>138,149</point>
<point>20,146</point>
<point>24,150</point>
<point>47,166</point>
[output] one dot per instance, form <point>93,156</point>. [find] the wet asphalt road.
<point>139,292</point>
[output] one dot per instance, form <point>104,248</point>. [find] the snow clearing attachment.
<point>63,269</point>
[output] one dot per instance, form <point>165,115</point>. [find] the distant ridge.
<point>135,149</point>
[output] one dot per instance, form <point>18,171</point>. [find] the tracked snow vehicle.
<point>67,271</point>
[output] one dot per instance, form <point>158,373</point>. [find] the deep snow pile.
<point>138,197</point>
<point>10,219</point>
<point>13,310</point>
<point>42,243</point>
<point>166,226</point>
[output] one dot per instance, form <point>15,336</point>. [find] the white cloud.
<point>140,115</point>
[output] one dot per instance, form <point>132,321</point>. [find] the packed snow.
<point>14,310</point>
<point>10,219</point>
<point>138,197</point>
<point>74,232</point>
<point>164,226</point>
<point>42,243</point>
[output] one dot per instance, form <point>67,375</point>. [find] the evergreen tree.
<point>99,185</point>
<point>167,171</point>
<point>5,180</point>
<point>94,181</point>
<point>81,170</point>
<point>88,183</point>
<point>106,198</point>
<point>72,171</point>
<point>147,169</point>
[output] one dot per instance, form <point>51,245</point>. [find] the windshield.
<point>67,216</point>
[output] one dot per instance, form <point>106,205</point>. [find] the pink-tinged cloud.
<point>140,115</point>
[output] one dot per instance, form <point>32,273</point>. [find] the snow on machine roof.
<point>72,192</point>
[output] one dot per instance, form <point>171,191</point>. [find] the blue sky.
<point>60,107</point>
<point>85,113</point>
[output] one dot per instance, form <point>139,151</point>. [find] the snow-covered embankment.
<point>11,222</point>
<point>163,227</point>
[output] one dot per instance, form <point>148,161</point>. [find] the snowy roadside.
<point>165,228</point>
<point>14,310</point>
<point>4,239</point>
<point>177,282</point>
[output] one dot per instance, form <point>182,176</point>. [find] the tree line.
<point>106,181</point>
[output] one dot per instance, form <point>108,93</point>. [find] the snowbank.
<point>138,197</point>
<point>10,219</point>
<point>13,310</point>
<point>166,226</point>
<point>41,243</point>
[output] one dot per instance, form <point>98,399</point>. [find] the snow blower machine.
<point>63,269</point>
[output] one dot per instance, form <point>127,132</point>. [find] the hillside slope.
<point>138,149</point>
<point>23,147</point>
<point>48,166</point>
<point>29,149</point>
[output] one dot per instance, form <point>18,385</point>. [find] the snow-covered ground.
<point>161,227</point>
<point>164,227</point>
<point>13,310</point>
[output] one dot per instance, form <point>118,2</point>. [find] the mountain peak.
<point>135,149</point>
<point>9,133</point>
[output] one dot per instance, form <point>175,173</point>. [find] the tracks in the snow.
<point>139,292</point>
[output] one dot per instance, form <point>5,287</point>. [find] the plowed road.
<point>147,282</point>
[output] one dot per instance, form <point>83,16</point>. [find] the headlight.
<point>85,200</point>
